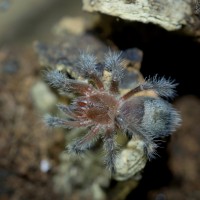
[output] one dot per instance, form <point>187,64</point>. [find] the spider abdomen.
<point>160,118</point>
<point>148,116</point>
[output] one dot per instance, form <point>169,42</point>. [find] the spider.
<point>105,112</point>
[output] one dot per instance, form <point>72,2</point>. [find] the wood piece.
<point>170,14</point>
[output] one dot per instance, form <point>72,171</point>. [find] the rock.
<point>43,99</point>
<point>73,25</point>
<point>131,160</point>
<point>76,26</point>
<point>171,15</point>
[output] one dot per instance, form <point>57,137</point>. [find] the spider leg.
<point>60,81</point>
<point>68,110</point>
<point>111,149</point>
<point>97,81</point>
<point>132,92</point>
<point>114,86</point>
<point>149,147</point>
<point>114,63</point>
<point>52,121</point>
<point>148,139</point>
<point>84,143</point>
<point>88,67</point>
<point>163,87</point>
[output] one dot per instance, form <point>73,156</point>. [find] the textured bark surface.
<point>170,14</point>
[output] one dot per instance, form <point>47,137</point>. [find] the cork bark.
<point>171,15</point>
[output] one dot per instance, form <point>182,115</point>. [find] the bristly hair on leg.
<point>150,148</point>
<point>55,78</point>
<point>88,67</point>
<point>115,63</point>
<point>67,110</point>
<point>111,149</point>
<point>149,141</point>
<point>80,145</point>
<point>60,81</point>
<point>52,121</point>
<point>87,64</point>
<point>162,86</point>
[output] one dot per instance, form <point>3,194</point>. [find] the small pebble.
<point>43,98</point>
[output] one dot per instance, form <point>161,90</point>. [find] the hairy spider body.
<point>99,107</point>
<point>104,111</point>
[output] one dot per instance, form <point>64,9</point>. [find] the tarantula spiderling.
<point>104,111</point>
